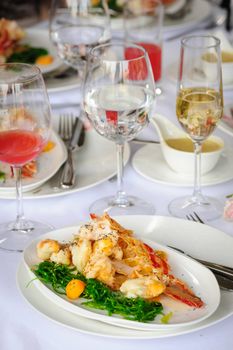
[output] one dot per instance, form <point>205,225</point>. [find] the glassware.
<point>24,130</point>
<point>143,24</point>
<point>76,26</point>
<point>118,99</point>
<point>199,107</point>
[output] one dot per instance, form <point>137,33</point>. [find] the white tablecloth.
<point>22,328</point>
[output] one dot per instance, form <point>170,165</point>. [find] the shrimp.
<point>81,251</point>
<point>146,287</point>
<point>46,248</point>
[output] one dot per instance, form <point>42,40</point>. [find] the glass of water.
<point>76,26</point>
<point>118,99</point>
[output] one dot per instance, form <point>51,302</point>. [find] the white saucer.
<point>148,161</point>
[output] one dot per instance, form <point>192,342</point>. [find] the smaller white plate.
<point>47,165</point>
<point>148,161</point>
<point>226,123</point>
<point>198,278</point>
<point>40,38</point>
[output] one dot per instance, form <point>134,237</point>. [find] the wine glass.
<point>24,130</point>
<point>143,24</point>
<point>199,107</point>
<point>75,27</point>
<point>118,99</point>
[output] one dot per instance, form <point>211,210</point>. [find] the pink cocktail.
<point>17,147</point>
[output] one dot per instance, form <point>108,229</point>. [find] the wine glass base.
<point>15,240</point>
<point>208,209</point>
<point>131,206</point>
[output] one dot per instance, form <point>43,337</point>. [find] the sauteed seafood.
<point>104,250</point>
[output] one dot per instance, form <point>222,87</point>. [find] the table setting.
<point>116,176</point>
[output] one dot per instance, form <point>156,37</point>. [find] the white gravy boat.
<point>182,161</point>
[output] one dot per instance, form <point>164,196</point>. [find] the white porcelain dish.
<point>40,38</point>
<point>200,279</point>
<point>95,163</point>
<point>47,164</point>
<point>149,162</point>
<point>181,161</point>
<point>227,67</point>
<point>167,231</point>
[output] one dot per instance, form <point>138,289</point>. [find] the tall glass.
<point>76,26</point>
<point>199,107</point>
<point>118,99</point>
<point>24,130</point>
<point>143,24</point>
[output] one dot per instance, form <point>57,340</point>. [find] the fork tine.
<point>195,217</point>
<point>198,218</point>
<point>65,127</point>
<point>190,217</point>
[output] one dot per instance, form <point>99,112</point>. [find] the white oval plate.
<point>149,162</point>
<point>47,165</point>
<point>40,38</point>
<point>187,235</point>
<point>200,279</point>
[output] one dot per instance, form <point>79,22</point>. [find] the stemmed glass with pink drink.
<point>24,130</point>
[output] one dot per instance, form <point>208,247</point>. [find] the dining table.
<point>22,325</point>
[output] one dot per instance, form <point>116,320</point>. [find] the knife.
<point>67,178</point>
<point>224,282</point>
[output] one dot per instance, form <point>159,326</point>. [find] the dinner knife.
<point>67,179</point>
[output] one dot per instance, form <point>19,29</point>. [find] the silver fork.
<point>194,217</point>
<point>65,127</point>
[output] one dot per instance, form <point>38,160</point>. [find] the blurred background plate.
<point>40,38</point>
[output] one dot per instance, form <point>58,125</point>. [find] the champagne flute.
<point>199,107</point>
<point>118,99</point>
<point>75,27</point>
<point>143,24</point>
<point>24,130</point>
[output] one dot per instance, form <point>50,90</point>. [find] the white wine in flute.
<point>198,111</point>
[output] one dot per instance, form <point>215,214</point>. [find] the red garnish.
<point>178,293</point>
<point>112,117</point>
<point>157,261</point>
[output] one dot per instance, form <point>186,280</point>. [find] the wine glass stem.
<point>197,171</point>
<point>120,195</point>
<point>20,223</point>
